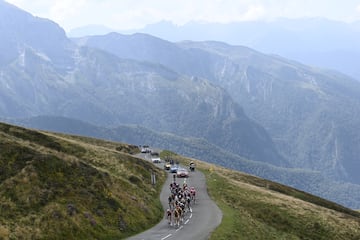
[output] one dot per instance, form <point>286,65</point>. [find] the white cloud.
<point>183,11</point>
<point>254,12</point>
<point>63,9</point>
<point>125,14</point>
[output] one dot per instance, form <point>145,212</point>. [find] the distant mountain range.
<point>312,41</point>
<point>244,103</point>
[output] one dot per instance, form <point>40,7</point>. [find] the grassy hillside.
<point>314,182</point>
<point>254,208</point>
<point>56,186</point>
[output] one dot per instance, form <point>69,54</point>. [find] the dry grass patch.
<point>4,232</point>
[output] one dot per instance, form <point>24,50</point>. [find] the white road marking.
<point>166,237</point>
<point>190,216</point>
<point>179,228</point>
<point>187,221</point>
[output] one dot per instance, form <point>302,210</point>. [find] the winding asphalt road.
<point>205,216</point>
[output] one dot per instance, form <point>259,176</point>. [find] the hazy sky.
<point>130,14</point>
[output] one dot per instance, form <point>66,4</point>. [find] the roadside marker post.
<point>153,178</point>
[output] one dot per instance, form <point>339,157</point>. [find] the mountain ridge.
<point>299,39</point>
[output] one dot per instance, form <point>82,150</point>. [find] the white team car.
<point>156,160</point>
<point>145,149</point>
<point>182,173</point>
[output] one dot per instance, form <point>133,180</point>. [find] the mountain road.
<point>198,224</point>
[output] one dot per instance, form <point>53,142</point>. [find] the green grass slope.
<point>56,186</point>
<point>254,208</point>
